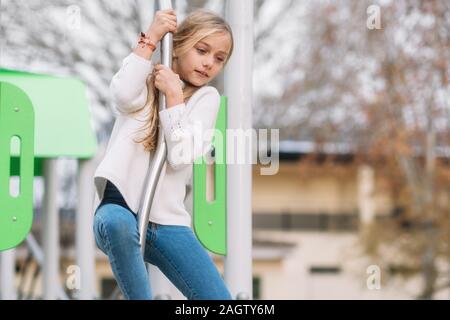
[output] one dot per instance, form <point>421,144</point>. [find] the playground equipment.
<point>62,129</point>
<point>16,121</point>
<point>16,138</point>
<point>159,158</point>
<point>209,217</point>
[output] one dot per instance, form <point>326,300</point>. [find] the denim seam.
<point>152,236</point>
<point>96,233</point>
<point>178,273</point>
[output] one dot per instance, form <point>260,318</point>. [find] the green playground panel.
<point>16,120</point>
<point>209,219</point>
<point>61,128</point>
<point>63,125</point>
<point>62,118</point>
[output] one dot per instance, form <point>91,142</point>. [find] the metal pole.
<point>158,161</point>
<point>84,242</point>
<point>238,89</point>
<point>7,275</point>
<point>50,231</point>
<point>159,157</point>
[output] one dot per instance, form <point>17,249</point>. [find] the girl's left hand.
<point>168,82</point>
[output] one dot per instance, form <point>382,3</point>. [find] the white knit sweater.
<point>126,162</point>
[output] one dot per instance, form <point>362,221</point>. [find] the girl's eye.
<point>221,59</point>
<point>201,51</point>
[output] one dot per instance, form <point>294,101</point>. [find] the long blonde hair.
<point>197,25</point>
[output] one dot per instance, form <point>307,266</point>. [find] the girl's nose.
<point>208,61</point>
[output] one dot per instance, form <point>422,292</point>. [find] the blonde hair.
<point>197,25</point>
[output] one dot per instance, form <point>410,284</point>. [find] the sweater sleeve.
<point>128,86</point>
<point>189,133</point>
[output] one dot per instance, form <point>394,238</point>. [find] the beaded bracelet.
<point>144,40</point>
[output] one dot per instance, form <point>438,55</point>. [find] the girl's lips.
<point>201,73</point>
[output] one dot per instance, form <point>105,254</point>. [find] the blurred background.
<point>360,93</point>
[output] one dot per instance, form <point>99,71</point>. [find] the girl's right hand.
<point>163,22</point>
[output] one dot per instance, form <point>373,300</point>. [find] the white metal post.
<point>50,230</point>
<point>85,243</point>
<point>7,275</point>
<point>238,89</point>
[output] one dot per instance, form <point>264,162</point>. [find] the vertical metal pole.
<point>84,242</point>
<point>7,275</point>
<point>158,160</point>
<point>238,89</point>
<point>159,157</point>
<point>50,231</point>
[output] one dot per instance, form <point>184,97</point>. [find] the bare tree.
<point>412,129</point>
<point>386,92</point>
<point>404,126</point>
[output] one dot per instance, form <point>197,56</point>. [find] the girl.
<point>202,45</point>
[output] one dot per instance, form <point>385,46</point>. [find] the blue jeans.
<point>175,250</point>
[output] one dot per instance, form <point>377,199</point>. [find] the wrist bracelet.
<point>145,40</point>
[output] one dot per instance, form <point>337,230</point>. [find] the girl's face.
<point>205,60</point>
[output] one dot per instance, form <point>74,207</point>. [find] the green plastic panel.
<point>63,125</point>
<point>209,218</point>
<point>16,120</point>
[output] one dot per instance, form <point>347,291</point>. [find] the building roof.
<point>292,149</point>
